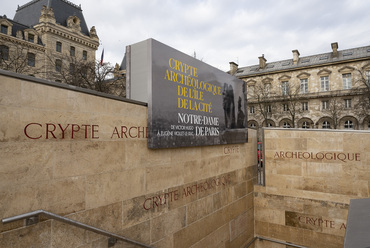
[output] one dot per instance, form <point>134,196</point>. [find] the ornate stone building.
<point>46,37</point>
<point>329,90</point>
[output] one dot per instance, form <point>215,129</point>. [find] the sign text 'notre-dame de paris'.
<point>190,103</point>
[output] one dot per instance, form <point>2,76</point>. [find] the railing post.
<point>32,220</point>
<point>112,242</point>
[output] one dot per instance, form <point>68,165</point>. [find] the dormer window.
<point>4,29</point>
<point>31,38</point>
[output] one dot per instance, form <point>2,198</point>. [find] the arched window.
<point>305,125</point>
<point>269,124</point>
<point>348,124</point>
<point>286,124</point>
<point>253,125</point>
<point>326,125</point>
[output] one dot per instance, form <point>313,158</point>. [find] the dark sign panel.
<point>191,103</point>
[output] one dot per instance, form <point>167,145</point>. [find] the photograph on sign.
<point>191,103</point>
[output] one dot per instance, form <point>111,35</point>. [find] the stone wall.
<point>311,175</point>
<point>84,156</point>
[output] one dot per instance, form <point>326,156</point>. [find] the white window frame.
<point>324,83</point>
<point>285,88</point>
<point>324,105</point>
<point>348,124</point>
<point>325,125</point>
<point>267,89</point>
<point>286,124</point>
<point>347,103</point>
<point>269,110</point>
<point>285,107</point>
<point>304,106</point>
<point>304,85</point>
<point>347,81</point>
<point>251,110</point>
<point>305,125</point>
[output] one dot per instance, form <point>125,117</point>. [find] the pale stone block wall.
<point>85,157</point>
<point>310,178</point>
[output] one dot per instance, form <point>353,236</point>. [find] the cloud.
<point>220,31</point>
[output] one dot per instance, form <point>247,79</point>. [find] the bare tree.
<point>20,58</point>
<point>86,74</point>
<point>335,110</point>
<point>264,100</point>
<point>291,98</point>
<point>361,88</point>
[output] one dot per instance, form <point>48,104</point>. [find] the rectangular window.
<point>84,55</point>
<point>268,108</point>
<point>251,90</point>
<point>285,107</point>
<point>367,75</point>
<point>267,89</point>
<point>4,29</point>
<point>72,51</point>
<point>72,69</point>
<point>4,53</point>
<point>347,81</point>
<point>31,38</point>
<point>31,59</point>
<point>285,88</point>
<point>59,46</point>
<point>304,85</point>
<point>58,65</point>
<point>347,103</point>
<point>324,105</point>
<point>251,109</point>
<point>324,83</point>
<point>304,106</point>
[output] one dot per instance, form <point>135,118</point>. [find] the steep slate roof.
<point>19,27</point>
<point>354,53</point>
<point>29,13</point>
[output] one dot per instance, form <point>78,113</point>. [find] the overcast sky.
<point>221,31</point>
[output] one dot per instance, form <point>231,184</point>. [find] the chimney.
<point>334,46</point>
<point>295,56</point>
<point>233,67</point>
<point>262,61</point>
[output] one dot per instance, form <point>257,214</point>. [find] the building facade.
<point>47,39</point>
<point>326,91</point>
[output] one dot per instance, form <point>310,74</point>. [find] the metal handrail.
<point>73,223</point>
<point>274,241</point>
